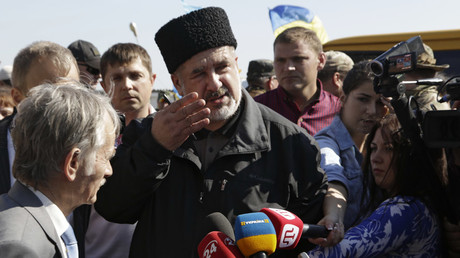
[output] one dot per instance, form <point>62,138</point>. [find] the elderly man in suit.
<point>64,137</point>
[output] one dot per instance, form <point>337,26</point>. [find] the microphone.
<point>215,221</point>
<point>290,228</point>
<point>255,234</point>
<point>219,245</point>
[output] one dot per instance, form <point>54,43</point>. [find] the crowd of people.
<point>86,173</point>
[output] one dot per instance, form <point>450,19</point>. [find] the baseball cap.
<point>86,52</point>
<point>338,61</point>
<point>5,72</point>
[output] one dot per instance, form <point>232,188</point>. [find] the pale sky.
<point>106,22</point>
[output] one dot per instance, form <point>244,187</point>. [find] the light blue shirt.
<point>341,160</point>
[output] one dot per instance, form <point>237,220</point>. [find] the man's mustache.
<point>216,94</point>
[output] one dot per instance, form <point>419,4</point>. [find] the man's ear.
<point>337,79</point>
<point>17,95</point>
<point>321,61</point>
<point>272,83</point>
<point>152,79</point>
<point>175,80</point>
<point>72,163</point>
<point>104,86</point>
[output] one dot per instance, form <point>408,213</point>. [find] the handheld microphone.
<point>219,245</point>
<point>290,228</point>
<point>255,234</point>
<point>287,225</point>
<point>215,221</point>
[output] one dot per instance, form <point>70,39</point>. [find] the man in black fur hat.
<point>214,150</point>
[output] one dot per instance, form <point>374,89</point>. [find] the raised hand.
<point>175,123</point>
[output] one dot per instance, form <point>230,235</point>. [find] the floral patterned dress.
<point>401,226</point>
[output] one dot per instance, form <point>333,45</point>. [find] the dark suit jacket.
<point>26,230</point>
<point>5,181</point>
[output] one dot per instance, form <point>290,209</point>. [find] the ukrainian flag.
<point>287,16</point>
<point>189,8</point>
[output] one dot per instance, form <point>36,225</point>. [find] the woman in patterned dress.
<point>406,223</point>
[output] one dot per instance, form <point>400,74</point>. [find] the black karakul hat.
<point>197,31</point>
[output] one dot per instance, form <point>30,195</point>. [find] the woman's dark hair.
<point>419,171</point>
<point>359,74</point>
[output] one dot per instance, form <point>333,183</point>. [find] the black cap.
<point>86,52</point>
<point>197,31</point>
<point>260,68</point>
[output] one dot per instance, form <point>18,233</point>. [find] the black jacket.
<point>268,162</point>
<point>5,178</point>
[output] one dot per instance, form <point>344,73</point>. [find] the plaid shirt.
<point>317,115</point>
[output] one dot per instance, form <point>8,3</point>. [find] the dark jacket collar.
<point>251,133</point>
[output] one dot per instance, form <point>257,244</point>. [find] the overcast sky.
<point>106,22</point>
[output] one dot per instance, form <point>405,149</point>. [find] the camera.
<point>436,128</point>
<point>401,58</point>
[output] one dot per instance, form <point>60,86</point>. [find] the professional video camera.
<point>437,128</point>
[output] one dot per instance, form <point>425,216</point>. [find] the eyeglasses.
<point>91,70</point>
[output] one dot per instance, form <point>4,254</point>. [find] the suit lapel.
<point>27,199</point>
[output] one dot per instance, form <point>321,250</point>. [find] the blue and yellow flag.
<point>189,8</point>
<point>287,16</point>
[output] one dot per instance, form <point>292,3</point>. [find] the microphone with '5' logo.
<point>255,235</point>
<point>218,245</point>
<point>290,228</point>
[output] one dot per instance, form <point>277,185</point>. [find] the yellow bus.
<point>445,45</point>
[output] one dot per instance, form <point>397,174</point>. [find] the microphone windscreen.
<point>255,233</point>
<point>219,245</point>
<point>287,225</point>
<point>216,221</point>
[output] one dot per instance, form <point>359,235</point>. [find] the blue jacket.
<point>341,160</point>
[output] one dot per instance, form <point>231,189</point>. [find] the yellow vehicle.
<point>445,45</point>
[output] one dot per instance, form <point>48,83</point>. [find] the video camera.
<point>437,128</point>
